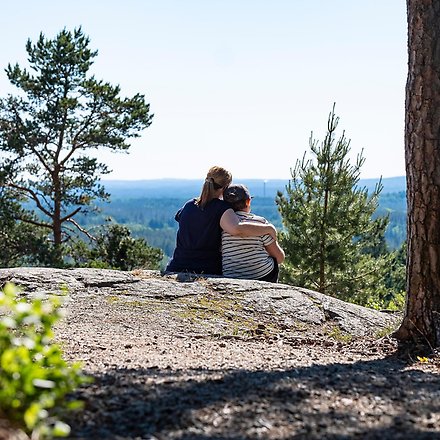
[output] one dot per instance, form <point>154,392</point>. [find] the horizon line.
<point>238,178</point>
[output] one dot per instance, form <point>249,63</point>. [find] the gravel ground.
<point>166,372</point>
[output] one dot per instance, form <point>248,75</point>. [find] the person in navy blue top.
<point>201,221</point>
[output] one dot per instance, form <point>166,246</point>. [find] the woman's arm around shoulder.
<point>230,223</point>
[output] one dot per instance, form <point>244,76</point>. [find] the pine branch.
<point>69,216</point>
<point>81,229</point>
<point>33,195</point>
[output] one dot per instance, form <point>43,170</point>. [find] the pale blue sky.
<point>238,83</point>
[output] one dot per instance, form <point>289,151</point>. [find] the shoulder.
<point>186,209</point>
<point>249,216</point>
<point>258,218</point>
<point>219,205</point>
<point>220,202</point>
<point>189,204</point>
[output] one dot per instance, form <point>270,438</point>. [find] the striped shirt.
<point>246,257</point>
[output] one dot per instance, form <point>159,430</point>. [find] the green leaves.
<point>115,248</point>
<point>34,378</point>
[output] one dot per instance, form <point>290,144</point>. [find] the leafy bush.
<point>115,248</point>
<point>34,378</point>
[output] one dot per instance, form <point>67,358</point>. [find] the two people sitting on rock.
<point>201,222</point>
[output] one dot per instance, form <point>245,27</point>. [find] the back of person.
<point>198,240</point>
<point>246,257</point>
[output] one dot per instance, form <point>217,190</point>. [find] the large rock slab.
<point>283,305</point>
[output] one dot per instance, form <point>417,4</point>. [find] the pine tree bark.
<point>422,157</point>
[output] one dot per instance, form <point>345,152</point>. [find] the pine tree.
<point>332,243</point>
<point>50,131</point>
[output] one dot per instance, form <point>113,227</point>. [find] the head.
<point>238,196</point>
<point>217,179</point>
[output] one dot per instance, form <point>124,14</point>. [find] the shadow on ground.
<point>374,399</point>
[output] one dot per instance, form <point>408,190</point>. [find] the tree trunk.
<point>323,242</point>
<point>422,157</point>
<point>56,222</point>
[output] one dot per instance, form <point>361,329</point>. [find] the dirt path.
<point>165,374</point>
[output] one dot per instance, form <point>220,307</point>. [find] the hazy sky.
<point>238,83</point>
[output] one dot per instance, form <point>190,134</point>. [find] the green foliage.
<point>331,240</point>
<point>22,243</point>
<point>115,248</point>
<point>34,378</point>
<point>151,219</point>
<point>395,280</point>
<point>50,131</point>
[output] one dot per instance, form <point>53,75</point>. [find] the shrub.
<point>115,248</point>
<point>34,378</point>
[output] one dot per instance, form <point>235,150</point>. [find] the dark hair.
<point>237,196</point>
<point>217,178</point>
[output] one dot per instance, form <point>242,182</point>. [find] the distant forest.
<point>148,207</point>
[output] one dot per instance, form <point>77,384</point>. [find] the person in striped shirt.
<point>255,257</point>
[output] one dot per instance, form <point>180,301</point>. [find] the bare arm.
<point>275,251</point>
<point>230,223</point>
